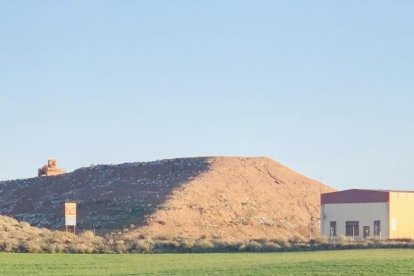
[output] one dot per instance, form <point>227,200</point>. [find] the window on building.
<point>352,228</point>
<point>377,228</point>
<point>332,229</point>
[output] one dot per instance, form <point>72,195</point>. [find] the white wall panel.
<point>365,213</point>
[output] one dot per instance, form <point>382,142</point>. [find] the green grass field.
<point>349,262</point>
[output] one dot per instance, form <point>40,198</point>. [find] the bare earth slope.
<point>237,199</point>
<point>108,196</point>
<point>230,198</point>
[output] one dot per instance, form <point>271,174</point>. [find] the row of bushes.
<point>21,237</point>
<point>88,243</point>
<point>206,245</point>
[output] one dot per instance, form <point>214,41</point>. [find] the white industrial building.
<point>368,213</point>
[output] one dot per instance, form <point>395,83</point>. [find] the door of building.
<point>366,231</point>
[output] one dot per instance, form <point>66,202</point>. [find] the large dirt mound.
<point>240,198</point>
<point>218,197</point>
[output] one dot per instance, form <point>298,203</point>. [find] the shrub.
<point>168,246</point>
<point>296,239</point>
<point>203,245</point>
<point>282,243</point>
<point>319,240</point>
<point>254,246</point>
<point>271,246</point>
<point>343,241</point>
<point>89,235</point>
<point>144,246</point>
<point>187,244</point>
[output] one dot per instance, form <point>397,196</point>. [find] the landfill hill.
<point>231,198</point>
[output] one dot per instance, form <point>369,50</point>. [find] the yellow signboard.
<point>70,208</point>
<point>70,213</point>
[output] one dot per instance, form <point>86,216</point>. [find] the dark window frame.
<point>332,229</point>
<point>352,228</point>
<point>377,228</point>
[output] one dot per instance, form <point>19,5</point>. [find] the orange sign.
<point>70,209</point>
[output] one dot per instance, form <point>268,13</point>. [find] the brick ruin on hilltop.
<point>50,169</point>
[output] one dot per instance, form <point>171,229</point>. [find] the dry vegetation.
<point>18,236</point>
<point>21,237</point>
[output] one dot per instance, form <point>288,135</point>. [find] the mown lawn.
<point>349,262</point>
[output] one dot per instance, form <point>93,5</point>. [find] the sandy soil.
<point>237,199</point>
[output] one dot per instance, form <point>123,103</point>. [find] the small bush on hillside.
<point>9,245</point>
<point>89,235</point>
<point>271,246</point>
<point>140,246</point>
<point>342,240</point>
<point>319,240</point>
<point>297,239</point>
<point>120,247</point>
<point>160,246</point>
<point>203,245</point>
<point>282,242</point>
<point>31,246</point>
<point>161,238</point>
<point>187,244</point>
<point>254,246</point>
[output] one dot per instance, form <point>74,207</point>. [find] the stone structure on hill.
<point>50,169</point>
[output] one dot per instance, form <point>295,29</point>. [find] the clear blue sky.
<point>325,87</point>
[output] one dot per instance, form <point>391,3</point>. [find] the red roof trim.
<point>355,196</point>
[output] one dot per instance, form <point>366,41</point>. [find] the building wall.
<point>401,215</point>
<point>365,213</point>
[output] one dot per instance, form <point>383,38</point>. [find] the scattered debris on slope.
<point>229,198</point>
<point>108,196</point>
